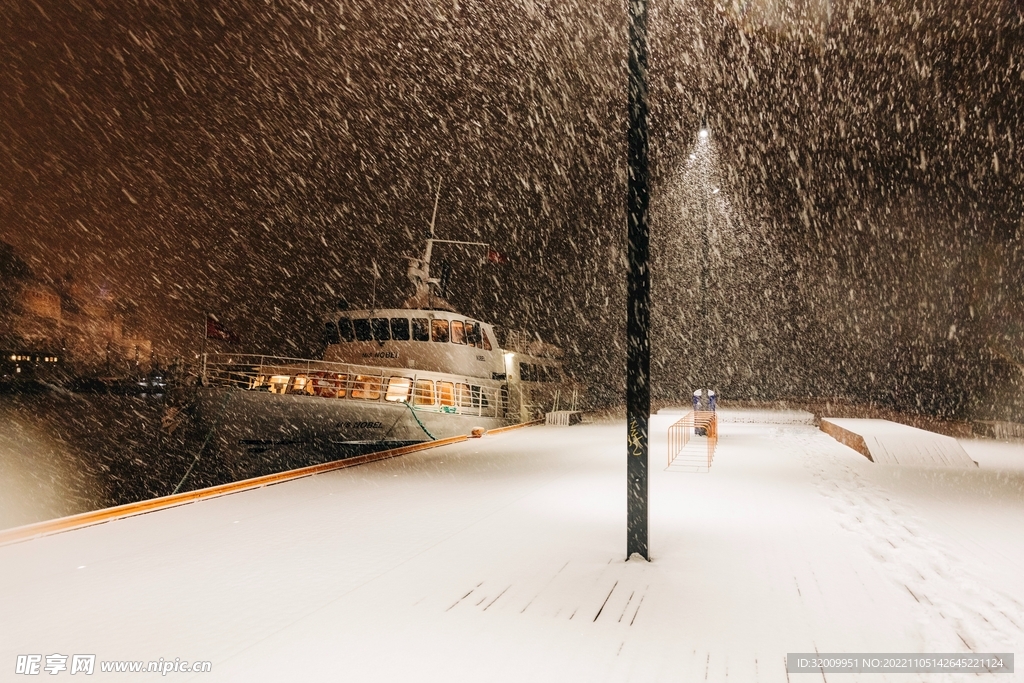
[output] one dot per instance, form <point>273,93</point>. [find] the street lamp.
<point>638,290</point>
<point>705,256</point>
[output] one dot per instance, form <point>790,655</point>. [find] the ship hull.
<point>242,421</point>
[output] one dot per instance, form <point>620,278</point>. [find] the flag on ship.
<point>216,330</point>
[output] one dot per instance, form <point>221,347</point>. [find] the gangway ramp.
<point>892,443</point>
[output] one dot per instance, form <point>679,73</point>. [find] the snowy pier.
<point>501,559</point>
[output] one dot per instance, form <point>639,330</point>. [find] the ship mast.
<point>418,273</point>
<point>419,269</point>
<point>430,237</point>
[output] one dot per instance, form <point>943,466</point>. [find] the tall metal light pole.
<point>638,346</point>
<point>705,257</point>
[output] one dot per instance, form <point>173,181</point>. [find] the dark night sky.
<point>250,160</point>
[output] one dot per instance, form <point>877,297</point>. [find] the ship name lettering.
<point>380,354</point>
<point>361,425</point>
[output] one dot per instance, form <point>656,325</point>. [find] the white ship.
<point>388,377</point>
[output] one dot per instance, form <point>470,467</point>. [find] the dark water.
<point>63,453</point>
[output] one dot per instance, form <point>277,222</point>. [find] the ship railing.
<point>332,381</point>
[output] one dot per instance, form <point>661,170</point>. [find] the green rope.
<point>417,418</point>
<point>220,413</point>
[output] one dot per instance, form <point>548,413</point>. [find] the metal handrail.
<point>331,380</point>
<point>679,433</point>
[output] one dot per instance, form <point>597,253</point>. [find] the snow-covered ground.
<point>501,559</point>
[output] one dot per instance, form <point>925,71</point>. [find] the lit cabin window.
<point>439,331</point>
<point>400,329</point>
<point>301,385</point>
<point>363,330</point>
<point>472,334</point>
<point>366,387</point>
<point>420,329</point>
<point>398,389</point>
<point>381,329</point>
<point>446,393</point>
<point>345,330</point>
<point>329,385</point>
<point>423,395</point>
<point>485,339</point>
<point>458,332</point>
<point>278,383</point>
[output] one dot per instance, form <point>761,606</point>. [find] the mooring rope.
<point>199,453</point>
<point>417,418</point>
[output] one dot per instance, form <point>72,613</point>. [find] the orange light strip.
<point>498,430</point>
<point>54,526</point>
<point>84,519</point>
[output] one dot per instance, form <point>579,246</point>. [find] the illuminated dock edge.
<point>84,519</point>
<point>899,662</point>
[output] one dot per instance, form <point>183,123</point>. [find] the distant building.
<point>83,329</point>
<point>42,301</point>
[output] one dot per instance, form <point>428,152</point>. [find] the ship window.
<point>278,383</point>
<point>329,385</point>
<point>420,329</point>
<point>424,393</point>
<point>446,393</point>
<point>400,329</point>
<point>366,387</point>
<point>440,330</point>
<point>458,332</point>
<point>345,329</point>
<point>526,372</point>
<point>363,331</point>
<point>472,334</point>
<point>301,385</point>
<point>331,335</point>
<point>485,338</point>
<point>465,400</point>
<point>381,329</point>
<point>398,389</point>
